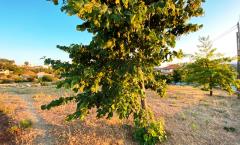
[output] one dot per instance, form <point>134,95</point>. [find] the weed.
<point>26,123</point>
<point>194,114</point>
<point>183,116</point>
<point>230,129</point>
<point>207,122</point>
<point>14,129</point>
<point>151,134</point>
<point>194,126</point>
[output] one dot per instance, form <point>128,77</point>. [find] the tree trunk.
<point>143,98</point>
<point>211,91</point>
<point>142,85</point>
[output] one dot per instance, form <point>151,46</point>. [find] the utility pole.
<point>238,50</point>
<point>238,56</point>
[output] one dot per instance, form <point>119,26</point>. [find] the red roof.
<point>171,66</point>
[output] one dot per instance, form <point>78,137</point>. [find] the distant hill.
<point>10,72</point>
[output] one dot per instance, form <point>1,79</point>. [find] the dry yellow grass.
<point>191,117</point>
<point>13,113</point>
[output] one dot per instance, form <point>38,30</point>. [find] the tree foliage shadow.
<point>6,137</point>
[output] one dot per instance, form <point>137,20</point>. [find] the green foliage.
<point>159,85</point>
<point>147,131</point>
<point>26,123</point>
<point>211,69</point>
<point>194,126</point>
<point>14,129</point>
<point>167,77</point>
<point>150,134</point>
<point>26,63</point>
<point>178,75</point>
<point>6,64</point>
<point>10,65</point>
<point>46,78</point>
<point>230,129</point>
<point>130,38</point>
<point>6,81</point>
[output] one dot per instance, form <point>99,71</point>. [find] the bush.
<point>168,78</point>
<point>177,75</point>
<point>6,81</point>
<point>46,78</point>
<point>147,131</point>
<point>162,90</point>
<point>14,129</point>
<point>26,123</point>
<point>150,134</point>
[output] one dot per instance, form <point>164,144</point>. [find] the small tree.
<point>26,63</point>
<point>130,38</point>
<point>211,69</point>
<point>178,74</point>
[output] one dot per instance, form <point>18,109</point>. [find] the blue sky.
<point>31,29</point>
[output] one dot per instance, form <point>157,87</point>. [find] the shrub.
<point>6,81</point>
<point>14,129</point>
<point>150,134</point>
<point>147,131</point>
<point>229,129</point>
<point>46,78</point>
<point>177,75</point>
<point>168,78</point>
<point>163,89</point>
<point>26,123</point>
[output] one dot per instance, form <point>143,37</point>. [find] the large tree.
<point>130,37</point>
<point>211,69</point>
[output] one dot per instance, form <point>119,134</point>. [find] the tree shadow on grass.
<point>95,132</point>
<point>6,137</point>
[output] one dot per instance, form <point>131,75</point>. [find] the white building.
<point>4,72</point>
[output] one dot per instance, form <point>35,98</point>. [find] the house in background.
<point>168,69</point>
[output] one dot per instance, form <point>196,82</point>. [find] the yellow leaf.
<point>121,45</point>
<point>109,43</point>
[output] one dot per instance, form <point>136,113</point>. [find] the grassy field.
<point>191,118</point>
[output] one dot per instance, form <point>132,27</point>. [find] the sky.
<point>31,29</point>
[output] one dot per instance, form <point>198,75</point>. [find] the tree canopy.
<point>6,64</point>
<point>130,37</point>
<point>212,69</point>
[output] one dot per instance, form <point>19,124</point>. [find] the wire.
<point>225,33</point>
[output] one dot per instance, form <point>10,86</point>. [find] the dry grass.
<point>91,131</point>
<point>191,117</point>
<point>199,119</point>
<point>13,116</point>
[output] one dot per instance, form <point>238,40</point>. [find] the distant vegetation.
<point>211,69</point>
<point>12,73</point>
